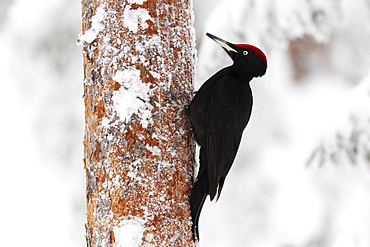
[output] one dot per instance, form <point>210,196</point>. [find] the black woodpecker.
<point>218,114</point>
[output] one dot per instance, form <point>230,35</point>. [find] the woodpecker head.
<point>248,59</point>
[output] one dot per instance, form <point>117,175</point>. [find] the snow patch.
<point>133,19</point>
<point>129,233</point>
<point>154,150</point>
<point>88,37</point>
<point>105,122</point>
<point>155,74</point>
<point>136,1</point>
<point>96,26</point>
<point>132,97</point>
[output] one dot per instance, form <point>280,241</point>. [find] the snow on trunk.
<point>138,160</point>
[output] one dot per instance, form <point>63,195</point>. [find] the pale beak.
<point>229,47</point>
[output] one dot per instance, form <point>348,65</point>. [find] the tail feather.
<point>197,198</point>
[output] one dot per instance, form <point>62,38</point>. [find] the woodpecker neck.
<point>241,72</point>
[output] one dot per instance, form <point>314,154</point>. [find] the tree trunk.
<point>139,161</point>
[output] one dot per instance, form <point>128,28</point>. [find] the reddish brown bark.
<point>138,161</point>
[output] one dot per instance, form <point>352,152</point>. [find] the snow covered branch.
<point>348,140</point>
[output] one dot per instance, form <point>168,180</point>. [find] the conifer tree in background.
<point>138,155</point>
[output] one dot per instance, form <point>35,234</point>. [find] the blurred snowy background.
<point>302,175</point>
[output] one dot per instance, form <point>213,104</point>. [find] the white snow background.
<point>312,105</point>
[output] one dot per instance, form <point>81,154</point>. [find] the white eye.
<point>245,52</point>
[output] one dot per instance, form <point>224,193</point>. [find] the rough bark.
<point>139,162</point>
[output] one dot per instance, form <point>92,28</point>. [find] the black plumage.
<point>218,114</point>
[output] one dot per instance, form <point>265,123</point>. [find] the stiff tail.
<point>197,198</point>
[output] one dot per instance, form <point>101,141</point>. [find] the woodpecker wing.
<point>228,114</point>
<point>198,108</point>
